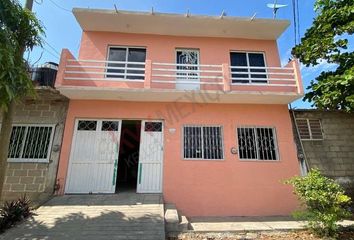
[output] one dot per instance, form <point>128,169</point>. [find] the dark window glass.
<point>110,126</point>
<point>257,60</point>
<point>153,127</point>
<point>257,143</point>
<point>87,125</point>
<point>203,142</point>
<point>125,55</point>
<point>192,142</point>
<point>266,144</point>
<point>247,143</point>
<point>252,60</point>
<point>30,142</point>
<point>116,54</point>
<point>239,60</point>
<point>136,55</point>
<point>16,141</point>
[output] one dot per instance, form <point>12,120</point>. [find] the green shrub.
<point>14,211</point>
<point>324,200</point>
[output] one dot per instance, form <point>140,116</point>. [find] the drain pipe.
<point>304,158</point>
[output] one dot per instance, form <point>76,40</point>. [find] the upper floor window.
<point>126,62</point>
<point>309,129</point>
<point>247,67</point>
<point>203,142</point>
<point>30,143</point>
<point>257,143</point>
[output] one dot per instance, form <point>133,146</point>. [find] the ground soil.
<point>296,235</point>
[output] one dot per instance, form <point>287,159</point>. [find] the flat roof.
<point>179,24</point>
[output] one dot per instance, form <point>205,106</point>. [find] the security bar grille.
<point>30,143</point>
<point>203,142</point>
<point>257,143</point>
<point>309,129</point>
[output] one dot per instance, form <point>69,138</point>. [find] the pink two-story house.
<point>193,107</point>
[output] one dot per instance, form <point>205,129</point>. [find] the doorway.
<point>127,173</point>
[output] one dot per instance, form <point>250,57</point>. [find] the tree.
<point>327,40</point>
<point>19,31</point>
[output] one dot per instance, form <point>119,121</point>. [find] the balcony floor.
<point>172,95</point>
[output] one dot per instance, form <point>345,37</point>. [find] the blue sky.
<point>62,30</point>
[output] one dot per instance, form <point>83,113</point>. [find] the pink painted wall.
<point>229,187</point>
<point>94,45</point>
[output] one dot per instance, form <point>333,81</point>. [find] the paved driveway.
<point>121,216</point>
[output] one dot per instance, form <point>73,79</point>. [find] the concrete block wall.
<point>37,180</point>
<point>334,155</point>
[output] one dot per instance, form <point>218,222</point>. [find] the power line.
<point>56,56</point>
<point>50,46</point>
<point>298,20</point>
<point>294,20</point>
<point>60,7</point>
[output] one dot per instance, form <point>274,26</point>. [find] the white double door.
<point>94,157</point>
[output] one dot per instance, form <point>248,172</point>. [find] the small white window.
<point>203,142</point>
<point>257,143</point>
<point>309,129</point>
<point>30,143</point>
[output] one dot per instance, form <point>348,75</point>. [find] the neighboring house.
<point>193,107</point>
<point>38,126</point>
<point>326,141</point>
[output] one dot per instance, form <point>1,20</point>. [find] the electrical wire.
<point>298,20</point>
<point>56,56</point>
<point>60,7</point>
<point>50,46</point>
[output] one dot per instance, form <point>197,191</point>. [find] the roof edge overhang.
<point>179,24</point>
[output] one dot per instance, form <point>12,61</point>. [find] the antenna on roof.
<point>115,7</point>
<point>223,14</point>
<point>275,7</point>
<point>152,11</point>
<point>253,16</point>
<point>187,14</point>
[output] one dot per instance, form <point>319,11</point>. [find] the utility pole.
<point>29,4</point>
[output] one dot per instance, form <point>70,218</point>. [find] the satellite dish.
<point>275,7</point>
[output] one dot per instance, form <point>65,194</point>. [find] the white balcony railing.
<point>105,70</point>
<point>184,76</point>
<point>187,74</point>
<point>263,76</point>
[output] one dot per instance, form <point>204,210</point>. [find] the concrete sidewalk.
<point>94,217</point>
<point>256,224</point>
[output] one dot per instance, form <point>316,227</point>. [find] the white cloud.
<point>317,69</point>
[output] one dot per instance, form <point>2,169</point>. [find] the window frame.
<point>276,144</point>
<point>50,145</point>
<point>126,60</point>
<point>309,128</point>
<point>248,65</point>
<point>201,126</point>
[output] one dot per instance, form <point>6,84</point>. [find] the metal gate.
<point>94,157</point>
<point>150,157</point>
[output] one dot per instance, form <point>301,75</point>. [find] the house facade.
<point>35,143</point>
<point>193,107</point>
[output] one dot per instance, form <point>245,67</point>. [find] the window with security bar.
<point>203,142</point>
<point>30,143</point>
<point>309,129</point>
<point>257,143</point>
